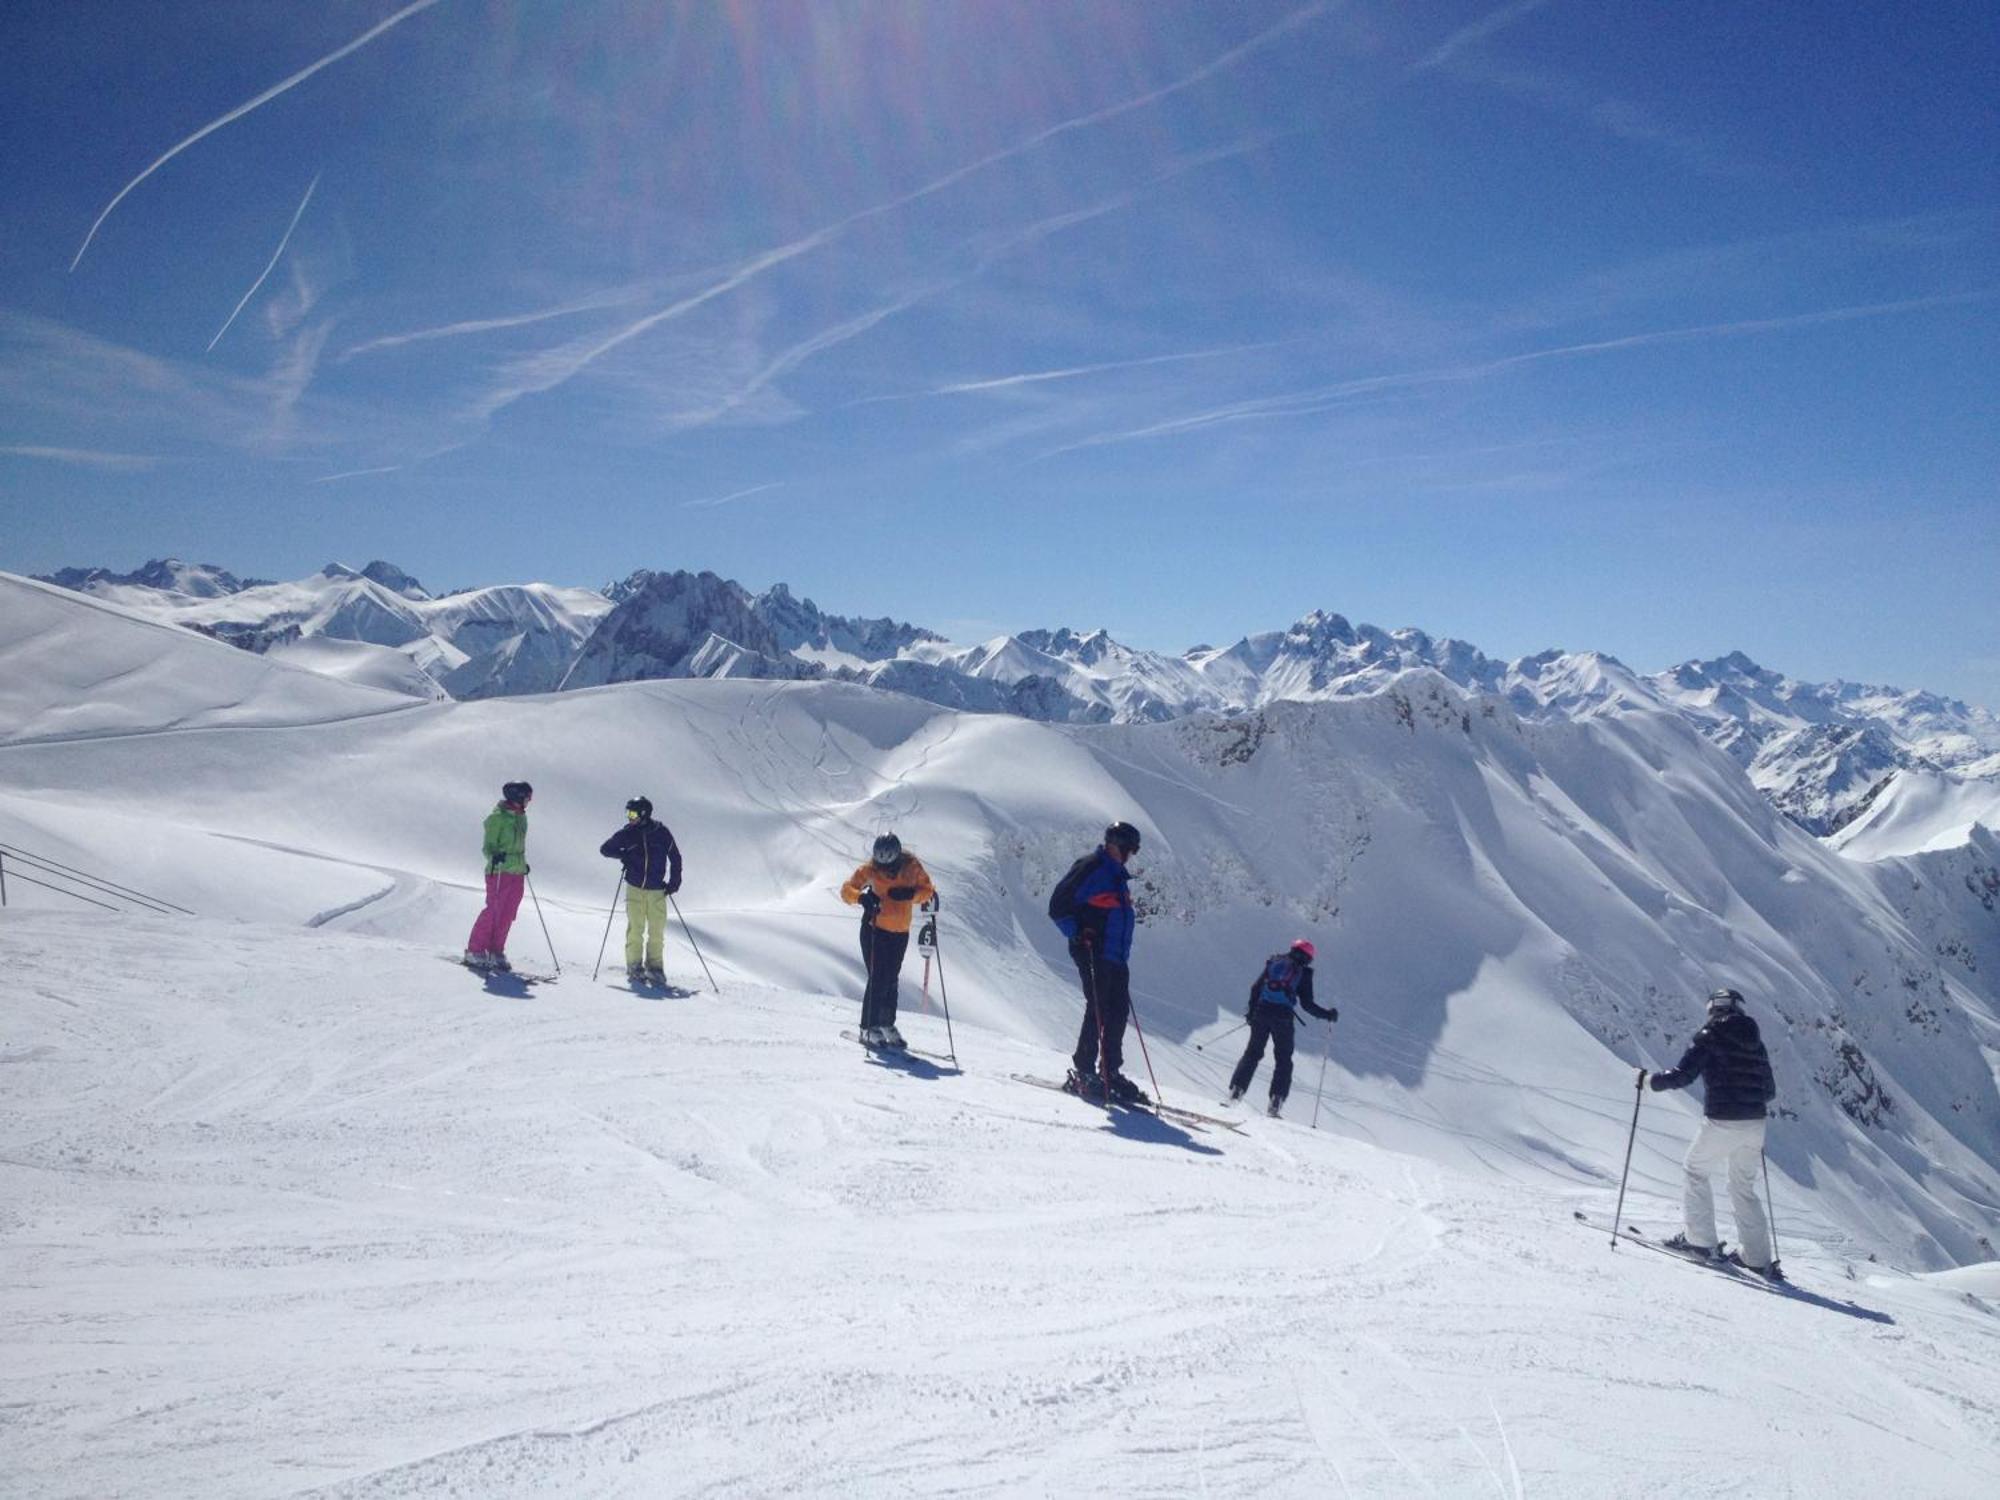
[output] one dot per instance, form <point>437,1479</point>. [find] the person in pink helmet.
<point>1281,987</point>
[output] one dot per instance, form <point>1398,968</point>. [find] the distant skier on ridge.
<point>1092,906</point>
<point>887,887</point>
<point>505,846</point>
<point>1282,986</point>
<point>652,863</point>
<point>1728,1055</point>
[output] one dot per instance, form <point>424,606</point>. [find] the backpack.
<point>1062,900</point>
<point>1280,984</point>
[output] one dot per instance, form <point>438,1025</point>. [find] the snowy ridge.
<point>1819,751</point>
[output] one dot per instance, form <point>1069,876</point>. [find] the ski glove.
<point>901,892</point>
<point>870,902</point>
<point>673,885</point>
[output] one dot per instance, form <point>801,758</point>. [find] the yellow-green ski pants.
<point>645,926</point>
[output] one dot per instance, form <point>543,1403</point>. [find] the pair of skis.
<point>1169,1112</point>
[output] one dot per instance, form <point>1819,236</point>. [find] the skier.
<point>1728,1055</point>
<point>1092,905</point>
<point>506,848</point>
<point>1283,984</point>
<point>886,888</point>
<point>652,873</point>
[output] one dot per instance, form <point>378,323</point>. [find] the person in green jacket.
<point>506,850</point>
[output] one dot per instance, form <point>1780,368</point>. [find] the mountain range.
<point>1825,754</point>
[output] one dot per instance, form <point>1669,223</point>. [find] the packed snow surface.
<point>301,1212</point>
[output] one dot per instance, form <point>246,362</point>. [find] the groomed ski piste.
<point>288,1206</point>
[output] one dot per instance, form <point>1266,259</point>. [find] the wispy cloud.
<point>243,109</point>
<point>88,458</point>
<point>1473,34</point>
<point>1326,397</point>
<point>711,502</point>
<point>356,474</point>
<point>987,253</point>
<point>546,372</point>
<point>283,241</point>
<point>491,325</point>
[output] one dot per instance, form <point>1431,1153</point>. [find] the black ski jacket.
<point>1728,1056</point>
<point>648,850</point>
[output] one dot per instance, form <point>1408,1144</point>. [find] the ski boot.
<point>1682,1245</point>
<point>1773,1272</point>
<point>1277,1109</point>
<point>634,975</point>
<point>1084,1084</point>
<point>892,1038</point>
<point>474,960</point>
<point>1125,1091</point>
<point>656,976</point>
<point>497,962</point>
<point>1235,1094</point>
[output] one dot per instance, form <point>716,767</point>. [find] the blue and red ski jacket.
<point>1101,906</point>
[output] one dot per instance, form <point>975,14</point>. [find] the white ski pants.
<point>1738,1147</point>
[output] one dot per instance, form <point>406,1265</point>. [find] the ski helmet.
<point>888,851</point>
<point>1721,1002</point>
<point>1304,948</point>
<point>516,791</point>
<point>1123,836</point>
<point>640,805</point>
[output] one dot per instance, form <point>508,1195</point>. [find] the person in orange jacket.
<point>891,885</point>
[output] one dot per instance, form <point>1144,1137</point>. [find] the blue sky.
<point>1660,330</point>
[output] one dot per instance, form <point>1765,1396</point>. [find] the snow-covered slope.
<point>517,638</point>
<point>286,1202</point>
<point>309,1212</point>
<point>1919,811</point>
<point>1546,899</point>
<point>1818,751</point>
<point>72,666</point>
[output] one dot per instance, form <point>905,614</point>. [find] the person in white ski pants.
<point>1728,1056</point>
<point>1738,1147</point>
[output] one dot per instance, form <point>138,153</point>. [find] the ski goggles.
<point>631,814</point>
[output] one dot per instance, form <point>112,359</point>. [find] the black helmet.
<point>640,805</point>
<point>888,851</point>
<point>1123,836</point>
<point>516,791</point>
<point>1720,1001</point>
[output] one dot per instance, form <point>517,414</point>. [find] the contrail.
<point>1478,31</point>
<point>243,109</point>
<point>488,325</point>
<point>715,500</point>
<point>1322,398</point>
<point>354,474</point>
<point>1070,372</point>
<point>297,214</point>
<point>557,371</point>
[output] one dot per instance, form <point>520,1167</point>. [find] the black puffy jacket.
<point>647,849</point>
<point>1728,1056</point>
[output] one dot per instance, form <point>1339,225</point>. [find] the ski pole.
<point>1133,1011</point>
<point>1618,1213</point>
<point>545,925</point>
<point>1770,1208</point>
<point>1325,1053</point>
<point>693,944</point>
<point>602,942</point>
<point>944,996</point>
<point>1198,1046</point>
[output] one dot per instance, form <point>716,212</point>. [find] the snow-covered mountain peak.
<point>168,575</point>
<point>395,580</point>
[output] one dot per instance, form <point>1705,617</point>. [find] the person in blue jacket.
<point>1092,906</point>
<point>1281,989</point>
<point>1728,1056</point>
<point>652,863</point>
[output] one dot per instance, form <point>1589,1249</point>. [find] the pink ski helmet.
<point>1304,945</point>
